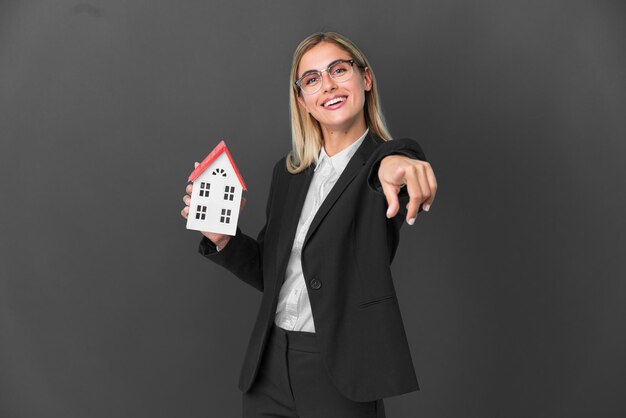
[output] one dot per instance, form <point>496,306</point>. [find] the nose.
<point>328,83</point>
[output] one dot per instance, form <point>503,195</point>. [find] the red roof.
<point>217,151</point>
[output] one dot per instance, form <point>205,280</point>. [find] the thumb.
<point>196,164</point>
<point>390,189</point>
<point>393,204</point>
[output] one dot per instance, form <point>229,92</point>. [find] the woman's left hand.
<point>419,178</point>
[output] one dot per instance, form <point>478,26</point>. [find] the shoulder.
<point>280,172</point>
<point>280,167</point>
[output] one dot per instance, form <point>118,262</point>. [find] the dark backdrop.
<point>512,287</point>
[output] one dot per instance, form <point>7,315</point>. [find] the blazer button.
<point>315,284</point>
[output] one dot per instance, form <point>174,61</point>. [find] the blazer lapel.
<point>352,169</point>
<point>294,200</point>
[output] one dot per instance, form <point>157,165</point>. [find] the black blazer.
<point>346,259</point>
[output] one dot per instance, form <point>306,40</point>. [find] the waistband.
<point>293,340</point>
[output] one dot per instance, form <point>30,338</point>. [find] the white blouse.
<point>293,311</point>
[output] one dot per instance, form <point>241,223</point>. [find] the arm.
<point>242,255</point>
<point>398,163</point>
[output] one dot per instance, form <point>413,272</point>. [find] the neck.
<point>337,139</point>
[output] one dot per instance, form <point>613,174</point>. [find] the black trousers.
<point>292,382</point>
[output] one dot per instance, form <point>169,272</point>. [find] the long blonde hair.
<point>306,133</point>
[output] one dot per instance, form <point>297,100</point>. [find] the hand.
<point>419,178</point>
<point>218,239</point>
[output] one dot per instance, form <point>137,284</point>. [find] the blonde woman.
<point>329,339</point>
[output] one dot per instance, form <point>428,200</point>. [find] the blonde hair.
<point>306,133</point>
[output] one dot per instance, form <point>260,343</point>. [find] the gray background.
<point>512,287</point>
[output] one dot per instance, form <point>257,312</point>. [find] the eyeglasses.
<point>339,70</point>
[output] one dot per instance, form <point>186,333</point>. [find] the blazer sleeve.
<point>404,146</point>
<point>243,255</point>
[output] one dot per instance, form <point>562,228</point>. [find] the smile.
<point>334,101</point>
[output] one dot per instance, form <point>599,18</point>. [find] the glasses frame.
<point>351,61</point>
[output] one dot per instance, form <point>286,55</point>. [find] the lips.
<point>332,101</point>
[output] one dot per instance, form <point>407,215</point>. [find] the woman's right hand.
<point>218,239</point>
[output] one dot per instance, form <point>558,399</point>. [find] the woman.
<point>329,339</point>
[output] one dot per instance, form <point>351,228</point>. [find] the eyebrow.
<point>307,72</point>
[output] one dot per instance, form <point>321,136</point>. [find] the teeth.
<point>333,101</point>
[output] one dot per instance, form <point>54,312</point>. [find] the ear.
<point>367,79</point>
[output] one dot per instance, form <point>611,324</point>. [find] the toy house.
<point>216,196</point>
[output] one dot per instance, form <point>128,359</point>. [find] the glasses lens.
<point>340,71</point>
<point>310,82</point>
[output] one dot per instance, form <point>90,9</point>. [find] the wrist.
<point>216,240</point>
<point>222,242</point>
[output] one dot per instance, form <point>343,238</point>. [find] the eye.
<point>309,80</point>
<point>339,68</point>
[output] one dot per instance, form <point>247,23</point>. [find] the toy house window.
<point>229,192</point>
<point>204,189</point>
<point>219,172</point>
<point>225,218</point>
<point>201,212</point>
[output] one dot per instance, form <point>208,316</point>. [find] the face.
<point>347,113</point>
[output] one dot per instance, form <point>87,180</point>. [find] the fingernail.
<point>388,212</point>
<point>426,207</point>
<point>411,221</point>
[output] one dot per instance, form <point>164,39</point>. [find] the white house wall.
<point>215,202</point>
